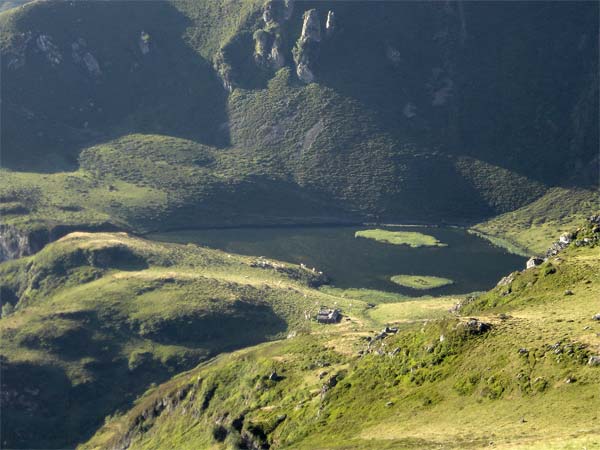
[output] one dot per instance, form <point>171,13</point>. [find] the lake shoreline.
<point>474,263</point>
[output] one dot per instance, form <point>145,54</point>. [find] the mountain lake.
<point>472,263</point>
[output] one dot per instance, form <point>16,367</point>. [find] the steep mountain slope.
<point>194,113</point>
<point>451,382</point>
<point>99,316</point>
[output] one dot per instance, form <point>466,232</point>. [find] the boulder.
<point>594,361</point>
<point>274,376</point>
<point>476,326</point>
<point>533,262</point>
<point>565,238</point>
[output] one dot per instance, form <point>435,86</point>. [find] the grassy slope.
<point>109,313</point>
<point>532,228</point>
<point>423,282</point>
<point>433,392</point>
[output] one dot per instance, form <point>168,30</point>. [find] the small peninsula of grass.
<point>421,282</point>
<point>411,238</point>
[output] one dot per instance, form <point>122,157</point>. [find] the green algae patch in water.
<point>421,282</point>
<point>413,239</point>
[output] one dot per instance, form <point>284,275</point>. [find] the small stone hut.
<point>326,315</point>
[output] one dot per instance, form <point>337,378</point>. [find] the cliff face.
<point>16,244</point>
<point>307,46</point>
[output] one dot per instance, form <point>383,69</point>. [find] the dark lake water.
<point>473,263</point>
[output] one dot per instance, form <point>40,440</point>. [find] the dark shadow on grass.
<point>50,112</point>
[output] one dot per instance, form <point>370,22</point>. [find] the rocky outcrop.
<point>15,243</point>
<point>476,326</point>
<point>81,56</point>
<point>276,11</point>
<point>311,28</point>
<point>224,71</point>
<point>307,46</point>
<point>268,51</point>
<point>269,42</point>
<point>330,24</point>
<point>45,45</point>
<point>533,262</point>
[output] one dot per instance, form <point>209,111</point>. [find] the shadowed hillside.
<point>416,111</point>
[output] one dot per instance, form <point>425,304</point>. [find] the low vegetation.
<point>530,230</point>
<point>410,238</point>
<point>421,282</point>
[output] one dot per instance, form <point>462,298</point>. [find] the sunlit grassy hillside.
<point>442,381</point>
<point>100,316</point>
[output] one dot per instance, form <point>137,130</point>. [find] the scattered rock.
<point>380,336</point>
<point>569,292</point>
<point>388,404</point>
<point>594,361</point>
<point>596,317</point>
<point>523,351</point>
